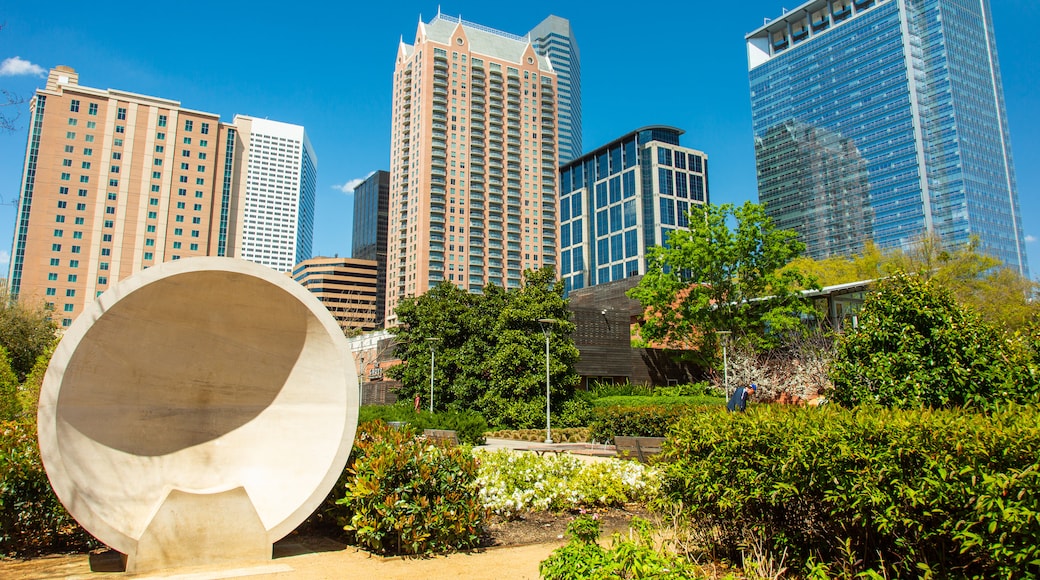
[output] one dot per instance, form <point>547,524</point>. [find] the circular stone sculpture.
<point>197,412</point>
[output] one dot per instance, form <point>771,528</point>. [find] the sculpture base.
<point>200,530</point>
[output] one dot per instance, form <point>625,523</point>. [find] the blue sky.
<point>328,67</point>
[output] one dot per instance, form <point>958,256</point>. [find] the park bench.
<point>640,448</point>
<point>444,437</point>
<point>541,451</point>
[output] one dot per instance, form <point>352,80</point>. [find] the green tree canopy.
<point>1000,295</point>
<point>490,350</point>
<point>916,346</point>
<point>9,404</point>
<point>714,278</point>
<point>26,332</point>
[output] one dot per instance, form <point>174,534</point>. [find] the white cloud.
<point>348,187</point>
<point>1030,239</point>
<point>5,259</point>
<point>15,66</point>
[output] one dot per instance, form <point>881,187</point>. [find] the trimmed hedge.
<point>649,421</point>
<point>902,492</point>
<point>32,520</point>
<point>469,425</point>
<point>659,401</point>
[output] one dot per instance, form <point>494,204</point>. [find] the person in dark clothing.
<point>738,402</point>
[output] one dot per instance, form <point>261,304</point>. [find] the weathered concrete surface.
<point>199,376</point>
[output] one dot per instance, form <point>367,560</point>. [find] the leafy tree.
<point>26,332</point>
<point>29,392</point>
<point>1001,295</point>
<point>916,346</point>
<point>9,406</point>
<point>712,278</point>
<point>490,350</point>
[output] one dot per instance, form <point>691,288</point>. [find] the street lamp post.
<point>433,357</point>
<point>361,379</point>
<point>546,324</point>
<point>723,334</point>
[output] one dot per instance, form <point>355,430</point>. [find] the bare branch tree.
<point>7,121</point>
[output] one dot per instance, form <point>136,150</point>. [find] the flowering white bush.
<point>511,482</point>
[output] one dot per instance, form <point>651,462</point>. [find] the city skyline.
<point>344,103</point>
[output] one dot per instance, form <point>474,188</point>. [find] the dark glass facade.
<point>622,198</point>
<point>911,90</point>
<point>371,210</point>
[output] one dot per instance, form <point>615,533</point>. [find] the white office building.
<point>278,177</point>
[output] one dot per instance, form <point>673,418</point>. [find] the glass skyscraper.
<point>896,101</point>
<point>554,39</point>
<point>622,198</point>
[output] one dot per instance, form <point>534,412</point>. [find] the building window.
<point>74,105</point>
<point>121,114</point>
<point>70,293</point>
<point>205,129</point>
<point>92,109</point>
<point>188,124</point>
<point>147,255</point>
<point>52,292</point>
<point>162,120</point>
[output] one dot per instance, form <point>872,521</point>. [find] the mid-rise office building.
<point>554,38</point>
<point>277,173</point>
<point>371,209</point>
<point>623,198</point>
<point>910,92</point>
<point>473,160</point>
<point>115,182</point>
<point>346,286</point>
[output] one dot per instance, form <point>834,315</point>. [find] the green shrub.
<point>636,557</point>
<point>406,496</point>
<point>901,492</point>
<point>10,407</point>
<point>32,520</point>
<point>564,434</point>
<point>576,412</point>
<point>512,483</point>
<point>649,421</point>
<point>916,346</point>
<point>660,401</point>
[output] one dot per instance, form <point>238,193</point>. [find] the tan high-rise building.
<point>346,286</point>
<point>115,182</point>
<point>473,159</point>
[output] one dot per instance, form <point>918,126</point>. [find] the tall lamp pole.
<point>433,357</point>
<point>546,324</point>
<point>361,379</point>
<point>723,335</point>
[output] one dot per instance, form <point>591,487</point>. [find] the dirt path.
<point>332,561</point>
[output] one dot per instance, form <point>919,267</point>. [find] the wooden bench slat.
<point>641,448</point>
